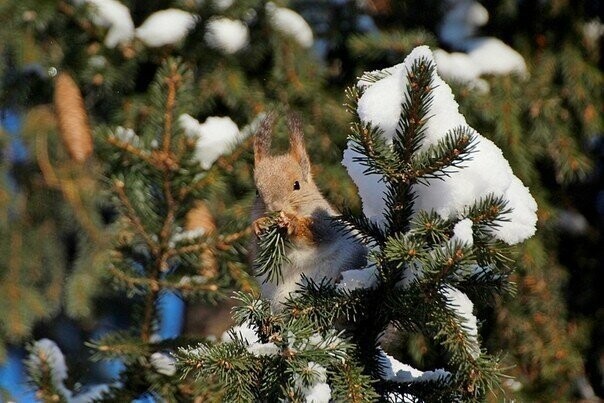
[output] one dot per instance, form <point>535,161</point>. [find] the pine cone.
<point>201,217</point>
<point>74,129</point>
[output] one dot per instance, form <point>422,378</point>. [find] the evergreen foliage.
<point>155,179</point>
<point>86,234</point>
<point>544,123</point>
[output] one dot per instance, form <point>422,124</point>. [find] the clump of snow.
<point>163,363</point>
<point>318,391</point>
<point>512,384</point>
<point>262,349</point>
<point>486,173</point>
<point>229,36</point>
<point>290,23</point>
<point>572,222</point>
<point>389,90</point>
<point>485,55</point>
<point>215,137</point>
<point>222,5</point>
<point>462,231</point>
<point>188,236</point>
<point>245,332</point>
<point>593,30</point>
<point>188,280</point>
<point>459,67</point>
<point>464,308</point>
<point>46,354</point>
<point>493,56</point>
<point>166,27</point>
<point>462,20</point>
<point>113,15</point>
<point>362,278</point>
<point>396,371</point>
<point>126,135</point>
<point>97,62</point>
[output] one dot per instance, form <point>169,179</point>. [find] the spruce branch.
<point>414,110</point>
<point>446,157</point>
<point>373,152</point>
<point>272,246</point>
<point>488,211</point>
<point>323,304</point>
<point>369,232</point>
<point>430,227</point>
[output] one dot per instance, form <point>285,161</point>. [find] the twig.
<point>122,145</point>
<point>222,243</point>
<point>133,217</point>
<point>173,81</point>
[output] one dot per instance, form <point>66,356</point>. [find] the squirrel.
<point>320,250</point>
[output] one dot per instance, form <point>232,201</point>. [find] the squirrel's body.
<point>320,250</point>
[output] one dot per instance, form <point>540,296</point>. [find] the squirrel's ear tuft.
<point>296,144</point>
<point>262,139</point>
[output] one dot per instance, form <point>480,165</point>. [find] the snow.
<point>494,57</point>
<point>127,135</point>
<point>484,55</point>
<point>113,15</point>
<point>459,67</point>
<point>464,308</point>
<point>222,5</point>
<point>262,349</point>
<point>396,371</point>
<point>188,236</point>
<point>163,363</point>
<point>462,231</point>
<point>354,279</point>
<point>461,21</point>
<point>188,280</point>
<point>486,173</point>
<point>46,352</point>
<point>371,188</point>
<point>572,222</point>
<point>384,114</point>
<point>229,36</point>
<point>318,391</point>
<point>215,137</point>
<point>245,331</point>
<point>166,27</point>
<point>290,23</point>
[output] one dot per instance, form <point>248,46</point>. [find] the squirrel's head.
<point>284,182</point>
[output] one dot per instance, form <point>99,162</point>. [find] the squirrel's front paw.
<point>261,224</point>
<point>298,228</point>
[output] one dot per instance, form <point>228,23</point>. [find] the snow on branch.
<point>485,173</point>
<point>47,371</point>
<point>394,370</point>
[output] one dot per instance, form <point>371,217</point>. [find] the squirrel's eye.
<point>257,193</point>
<point>296,185</point>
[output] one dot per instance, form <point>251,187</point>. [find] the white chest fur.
<point>326,261</point>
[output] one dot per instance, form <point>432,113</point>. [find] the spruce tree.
<point>544,122</point>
